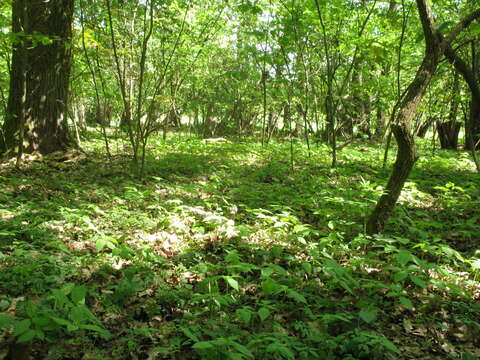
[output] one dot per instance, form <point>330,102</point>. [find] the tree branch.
<point>462,24</point>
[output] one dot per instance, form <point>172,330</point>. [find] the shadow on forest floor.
<point>232,246</point>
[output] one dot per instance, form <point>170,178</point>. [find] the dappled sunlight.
<point>240,243</point>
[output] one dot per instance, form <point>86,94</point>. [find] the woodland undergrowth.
<point>232,250</point>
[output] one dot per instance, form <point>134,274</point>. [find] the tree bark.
<point>448,134</point>
<point>402,127</point>
<point>472,126</point>
<point>42,54</point>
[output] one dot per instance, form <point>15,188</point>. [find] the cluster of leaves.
<point>224,252</point>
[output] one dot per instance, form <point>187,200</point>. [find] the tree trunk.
<point>43,54</point>
<point>448,134</point>
<point>472,133</point>
<point>423,128</point>
<point>406,157</point>
<point>472,124</point>
<point>402,128</point>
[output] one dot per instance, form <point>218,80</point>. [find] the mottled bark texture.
<point>41,60</point>
<point>436,45</point>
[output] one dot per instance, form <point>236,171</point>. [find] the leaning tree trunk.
<point>402,128</point>
<point>41,62</point>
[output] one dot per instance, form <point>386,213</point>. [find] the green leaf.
<point>72,328</point>
<point>61,321</point>
<point>307,267</point>
<point>22,326</point>
<point>296,296</point>
<point>404,257</point>
<point>100,244</point>
<point>203,345</point>
<point>242,349</point>
<point>390,346</point>
<point>232,282</point>
<point>39,334</point>
<point>78,314</point>
<point>400,276</point>
<point>263,313</point>
<point>271,287</point>
<point>67,288</point>
<point>475,29</point>
<point>27,336</point>
<point>42,321</point>
<point>5,321</point>
<point>105,334</point>
<point>4,304</point>
<point>245,315</point>
<point>406,302</point>
<point>417,281</point>
<point>277,348</point>
<point>368,316</point>
<point>78,294</point>
<point>188,333</point>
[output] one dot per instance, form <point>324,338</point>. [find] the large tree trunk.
<point>448,134</point>
<point>41,62</point>
<point>402,128</point>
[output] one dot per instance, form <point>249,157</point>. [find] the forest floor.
<point>231,251</point>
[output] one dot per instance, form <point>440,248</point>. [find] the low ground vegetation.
<point>231,250</point>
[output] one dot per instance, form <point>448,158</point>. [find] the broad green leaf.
<point>190,334</point>
<point>27,336</point>
<point>406,302</point>
<point>232,282</point>
<point>263,313</point>
<point>78,294</point>
<point>404,257</point>
<point>417,281</point>
<point>271,287</point>
<point>245,315</point>
<point>400,276</point>
<point>368,316</point>
<point>22,326</point>
<point>100,244</point>
<point>296,296</point>
<point>307,267</point>
<point>78,315</point>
